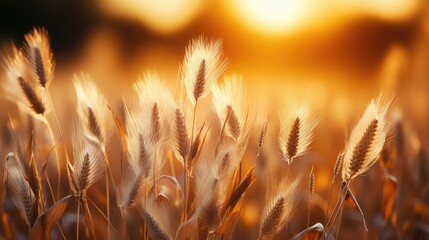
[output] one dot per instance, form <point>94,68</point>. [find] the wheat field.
<point>198,159</point>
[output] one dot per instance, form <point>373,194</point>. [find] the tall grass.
<point>206,198</point>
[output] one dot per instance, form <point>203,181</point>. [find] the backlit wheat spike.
<point>21,193</point>
<point>135,189</point>
<point>230,100</point>
<point>180,143</point>
<point>18,86</point>
<point>367,138</point>
<point>311,181</point>
<point>208,189</point>
<point>154,228</point>
<point>92,110</point>
<point>202,66</point>
<point>139,151</point>
<point>88,166</point>
<point>33,179</point>
<point>140,158</point>
<point>279,205</point>
<point>262,133</point>
<point>338,163</point>
<point>156,105</point>
<point>39,56</point>
<point>158,219</point>
<point>296,131</point>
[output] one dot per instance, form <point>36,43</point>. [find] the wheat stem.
<point>57,159</point>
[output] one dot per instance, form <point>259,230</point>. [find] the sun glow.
<point>272,16</point>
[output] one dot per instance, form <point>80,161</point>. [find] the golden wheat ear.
<point>279,204</point>
<point>89,164</point>
<point>157,218</point>
<point>156,107</point>
<point>18,86</point>
<point>21,193</point>
<point>367,138</point>
<point>180,141</point>
<point>297,125</point>
<point>230,105</point>
<point>202,66</point>
<point>39,56</point>
<point>92,110</point>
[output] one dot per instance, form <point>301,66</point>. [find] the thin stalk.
<point>329,199</point>
<point>340,204</point>
<point>57,159</point>
<point>185,164</point>
<point>106,171</point>
<point>107,202</point>
<point>102,214</point>
<point>309,210</point>
<point>123,235</point>
<point>77,216</point>
<point>88,216</point>
<point>339,225</point>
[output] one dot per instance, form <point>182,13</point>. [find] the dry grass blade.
<point>195,146</point>
<point>39,55</point>
<point>390,186</point>
<point>238,192</point>
<point>46,222</point>
<point>312,233</point>
<point>350,197</point>
<point>198,147</point>
<point>70,176</point>
<point>121,131</point>
<point>225,225</point>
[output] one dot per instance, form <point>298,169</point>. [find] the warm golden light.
<point>272,16</point>
<point>279,17</point>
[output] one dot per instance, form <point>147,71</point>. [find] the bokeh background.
<point>338,53</point>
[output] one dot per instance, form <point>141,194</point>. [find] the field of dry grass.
<point>204,159</point>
